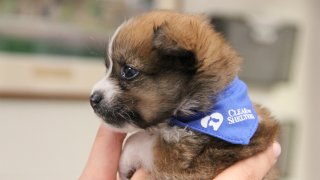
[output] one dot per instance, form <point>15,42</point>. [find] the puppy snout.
<point>95,99</point>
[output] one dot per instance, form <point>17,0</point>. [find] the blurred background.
<point>52,51</point>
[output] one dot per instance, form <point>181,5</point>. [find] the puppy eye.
<point>128,72</point>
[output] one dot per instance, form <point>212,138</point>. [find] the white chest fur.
<point>138,149</point>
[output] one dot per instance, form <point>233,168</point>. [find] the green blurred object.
<point>16,45</point>
<point>63,27</point>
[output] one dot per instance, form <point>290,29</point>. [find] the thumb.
<point>253,168</point>
<point>104,156</point>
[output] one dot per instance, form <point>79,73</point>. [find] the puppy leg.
<point>137,153</point>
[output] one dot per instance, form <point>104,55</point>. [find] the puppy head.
<point>162,64</point>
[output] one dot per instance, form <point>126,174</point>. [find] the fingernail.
<point>276,149</point>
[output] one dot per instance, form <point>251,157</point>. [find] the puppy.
<point>173,81</point>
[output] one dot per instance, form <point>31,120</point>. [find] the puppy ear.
<point>165,42</point>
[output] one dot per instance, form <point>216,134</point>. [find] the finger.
<point>140,174</point>
<point>104,156</point>
<point>253,168</point>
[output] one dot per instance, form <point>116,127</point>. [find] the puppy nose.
<point>95,99</point>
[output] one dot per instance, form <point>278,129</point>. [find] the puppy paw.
<point>126,174</point>
<point>137,153</point>
<point>128,165</point>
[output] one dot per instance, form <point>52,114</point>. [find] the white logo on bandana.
<point>215,120</point>
<point>239,115</point>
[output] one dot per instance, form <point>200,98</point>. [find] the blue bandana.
<point>232,118</point>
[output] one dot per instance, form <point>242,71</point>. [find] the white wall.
<point>45,139</point>
<point>313,146</point>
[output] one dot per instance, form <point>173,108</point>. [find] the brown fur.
<point>183,64</point>
<point>202,157</point>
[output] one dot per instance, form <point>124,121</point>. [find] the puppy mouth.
<point>116,115</point>
<point>120,116</point>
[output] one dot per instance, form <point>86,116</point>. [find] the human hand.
<point>253,168</point>
<point>105,154</point>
